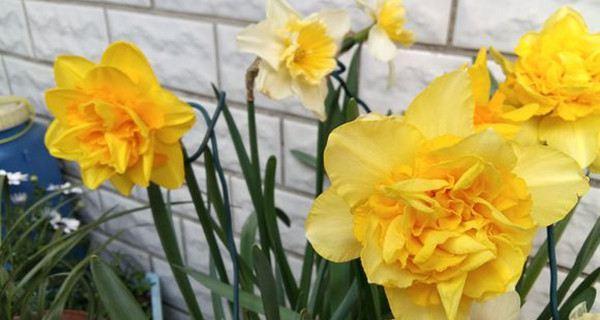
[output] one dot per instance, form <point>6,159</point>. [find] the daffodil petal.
<point>480,78</point>
<point>523,113</point>
<point>360,154</point>
<point>578,139</point>
<point>70,70</point>
<point>329,228</point>
<point>487,145</point>
<point>275,84</point>
<point>58,101</point>
<point>122,184</point>
<point>451,293</point>
<point>94,176</point>
<point>554,180</point>
<point>450,99</point>
<point>262,40</point>
<point>337,22</point>
<point>169,174</point>
<point>312,96</point>
<point>380,45</point>
<point>503,307</point>
<point>403,308</point>
<point>280,11</point>
<point>130,59</point>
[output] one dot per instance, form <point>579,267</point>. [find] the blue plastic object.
<point>156,301</point>
<point>28,154</point>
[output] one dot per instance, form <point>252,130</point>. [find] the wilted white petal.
<point>380,45</point>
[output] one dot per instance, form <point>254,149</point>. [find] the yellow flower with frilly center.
<point>556,82</point>
<point>297,54</point>
<point>440,215</point>
<point>116,121</point>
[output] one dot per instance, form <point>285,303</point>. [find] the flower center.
<point>310,51</point>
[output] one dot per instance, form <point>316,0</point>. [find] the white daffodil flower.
<point>297,53</point>
<point>504,307</point>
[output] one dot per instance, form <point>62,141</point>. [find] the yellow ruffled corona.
<point>556,82</point>
<point>440,215</point>
<point>297,53</point>
<point>116,121</point>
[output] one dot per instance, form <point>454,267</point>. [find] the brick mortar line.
<point>452,22</point>
<point>5,71</point>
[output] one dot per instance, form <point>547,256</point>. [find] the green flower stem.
<point>353,39</point>
<point>168,239</point>
<point>553,272</point>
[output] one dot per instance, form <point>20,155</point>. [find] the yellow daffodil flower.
<point>297,54</point>
<point>556,81</point>
<point>492,112</point>
<point>387,32</point>
<point>116,121</point>
<point>440,215</point>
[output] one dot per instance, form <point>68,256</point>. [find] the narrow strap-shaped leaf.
<point>273,230</point>
<point>252,177</point>
<point>319,288</point>
<point>353,77</point>
<point>305,158</point>
<point>574,298</point>
<point>343,309</point>
<point>168,239</point>
<point>205,221</point>
<point>588,296</point>
<point>248,238</point>
<point>218,312</point>
<point>537,263</point>
<point>585,254</point>
<point>212,188</point>
<point>252,136</point>
<point>306,276</point>
<point>118,301</point>
<point>266,284</point>
<point>247,300</point>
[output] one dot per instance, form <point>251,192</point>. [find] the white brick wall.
<point>191,43</point>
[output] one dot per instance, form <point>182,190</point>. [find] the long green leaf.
<point>247,300</point>
<point>588,282</point>
<point>588,296</point>
<point>305,158</point>
<point>343,310</point>
<point>273,230</point>
<point>248,238</point>
<point>118,301</point>
<point>168,239</point>
<point>266,284</point>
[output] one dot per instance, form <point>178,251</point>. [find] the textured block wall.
<point>190,43</point>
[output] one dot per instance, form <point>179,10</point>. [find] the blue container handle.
<point>17,135</point>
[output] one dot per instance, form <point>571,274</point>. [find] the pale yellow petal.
<point>578,139</point>
<point>376,268</point>
<point>487,145</point>
<point>504,307</point>
<point>451,293</point>
<point>362,154</point>
<point>312,96</point>
<point>380,45</point>
<point>70,70</point>
<point>507,65</point>
<point>445,107</point>
<point>111,79</point>
<point>554,180</point>
<point>262,40</point>
<point>523,113</point>
<point>337,22</point>
<point>128,58</point>
<point>275,84</point>
<point>329,228</point>
<point>280,12</point>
